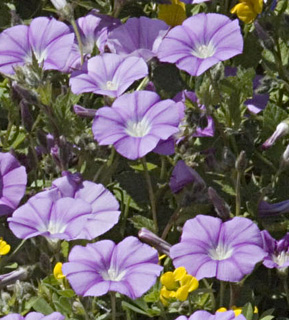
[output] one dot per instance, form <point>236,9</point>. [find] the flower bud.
<point>84,112</point>
<point>59,4</point>
<point>27,119</point>
<point>281,130</point>
<point>152,239</point>
<point>241,162</point>
<point>220,205</point>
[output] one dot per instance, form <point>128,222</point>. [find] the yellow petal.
<point>258,6</point>
<point>245,12</point>
<point>173,14</point>
<point>167,279</point>
<point>182,293</point>
<point>57,271</point>
<point>165,293</point>
<point>222,309</point>
<point>256,310</point>
<point>179,273</point>
<point>4,247</point>
<point>193,285</point>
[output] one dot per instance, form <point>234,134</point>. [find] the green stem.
<point>151,193</point>
<point>75,28</point>
<point>285,284</point>
<point>143,84</point>
<point>222,293</point>
<point>171,222</point>
<point>238,194</point>
<point>113,305</point>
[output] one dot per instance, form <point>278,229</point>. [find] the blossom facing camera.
<point>177,285</point>
<point>205,315</point>
<point>129,267</point>
<point>200,42</point>
<point>137,122</point>
<point>13,180</point>
<point>247,10</point>
<point>212,248</point>
<point>48,40</point>
<point>34,316</point>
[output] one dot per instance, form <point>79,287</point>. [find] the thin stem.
<point>75,28</point>
<point>222,293</point>
<point>151,193</point>
<point>113,305</point>
<point>238,193</point>
<point>213,300</point>
<point>143,84</point>
<point>171,222</point>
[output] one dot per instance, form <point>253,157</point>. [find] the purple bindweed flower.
<point>64,218</point>
<point>183,175</point>
<point>266,209</point>
<point>49,40</point>
<point>129,267</point>
<point>205,315</point>
<point>109,74</point>
<point>258,101</point>
<point>200,42</point>
<point>193,1</point>
<point>137,122</point>
<point>278,251</point>
<point>94,29</point>
<point>13,180</point>
<point>281,130</point>
<point>34,316</point>
<point>139,37</point>
<point>212,248</point>
<point>104,207</point>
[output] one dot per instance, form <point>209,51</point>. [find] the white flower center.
<point>204,51</point>
<point>111,86</point>
<point>40,56</point>
<point>281,258</point>
<point>138,129</point>
<point>221,252</point>
<point>113,275</point>
<point>54,227</point>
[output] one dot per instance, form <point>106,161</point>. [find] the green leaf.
<point>269,317</point>
<point>41,305</point>
<point>68,293</point>
<point>65,248</point>
<point>142,222</point>
<point>248,311</point>
<point>127,306</point>
<point>139,167</point>
<point>267,313</point>
<point>273,115</point>
<point>63,305</point>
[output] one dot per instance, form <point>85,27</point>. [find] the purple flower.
<point>109,74</point>
<point>201,42</point>
<point>139,37</point>
<point>258,101</point>
<point>13,180</point>
<point>278,251</point>
<point>94,29</point>
<point>266,209</point>
<point>34,316</point>
<point>49,40</point>
<point>183,175</point>
<point>281,130</point>
<point>204,315</point>
<point>130,268</point>
<point>61,219</point>
<point>193,1</point>
<point>212,248</point>
<point>136,122</point>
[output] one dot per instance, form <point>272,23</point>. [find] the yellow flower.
<point>57,271</point>
<point>247,10</point>
<point>237,310</point>
<point>177,285</point>
<point>4,247</point>
<point>173,14</point>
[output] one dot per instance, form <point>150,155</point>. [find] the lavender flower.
<point>183,175</point>
<point>266,209</point>
<point>139,37</point>
<point>61,219</point>
<point>258,101</point>
<point>109,74</point>
<point>94,29</point>
<point>201,42</point>
<point>13,180</point>
<point>49,40</point>
<point>278,251</point>
<point>34,316</point>
<point>281,130</point>
<point>137,122</point>
<point>104,207</point>
<point>204,315</point>
<point>212,248</point>
<point>130,268</point>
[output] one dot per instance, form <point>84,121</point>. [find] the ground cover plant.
<point>144,159</point>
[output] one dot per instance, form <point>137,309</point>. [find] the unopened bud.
<point>59,4</point>
<point>281,130</point>
<point>64,9</point>
<point>25,94</point>
<point>285,157</point>
<point>27,119</point>
<point>84,112</point>
<point>220,205</point>
<point>152,239</point>
<point>241,162</point>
